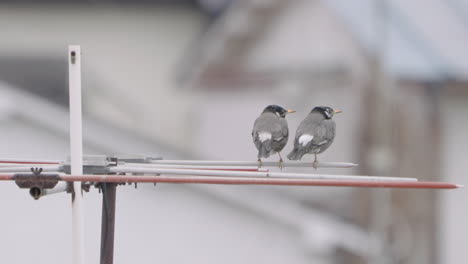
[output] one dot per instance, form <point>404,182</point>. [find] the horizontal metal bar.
<point>60,187</point>
<point>123,169</point>
<point>255,163</point>
<point>28,161</point>
<point>6,177</point>
<point>23,168</point>
<point>259,181</point>
<point>3,165</point>
<point>194,167</point>
<point>250,181</point>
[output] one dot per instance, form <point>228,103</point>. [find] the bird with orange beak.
<point>315,133</point>
<point>270,132</point>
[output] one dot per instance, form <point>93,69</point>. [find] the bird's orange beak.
<point>291,111</point>
<point>338,111</point>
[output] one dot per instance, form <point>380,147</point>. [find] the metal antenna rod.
<point>28,161</point>
<point>76,151</point>
<point>254,163</point>
<point>283,181</point>
<point>48,168</point>
<point>253,174</point>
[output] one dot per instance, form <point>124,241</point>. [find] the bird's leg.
<point>259,163</point>
<point>280,163</point>
<point>315,163</point>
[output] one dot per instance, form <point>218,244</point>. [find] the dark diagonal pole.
<point>108,222</point>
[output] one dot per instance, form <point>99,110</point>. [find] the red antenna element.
<point>248,181</point>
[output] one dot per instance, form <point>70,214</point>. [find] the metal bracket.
<point>137,159</point>
<point>36,182</point>
<point>36,179</point>
<point>100,164</point>
<point>93,164</point>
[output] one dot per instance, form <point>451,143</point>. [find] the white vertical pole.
<point>76,151</point>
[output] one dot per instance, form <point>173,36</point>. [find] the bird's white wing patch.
<point>305,139</point>
<point>264,136</point>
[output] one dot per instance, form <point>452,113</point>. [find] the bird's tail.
<point>295,155</point>
<point>264,150</point>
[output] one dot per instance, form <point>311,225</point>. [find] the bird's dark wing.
<point>269,134</point>
<point>323,132</point>
<point>280,137</point>
<point>284,127</point>
<point>314,135</point>
<point>314,132</point>
<point>271,124</point>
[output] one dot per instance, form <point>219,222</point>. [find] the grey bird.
<point>315,133</point>
<point>270,132</point>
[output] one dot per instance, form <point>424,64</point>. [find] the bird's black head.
<point>278,110</point>
<point>326,111</point>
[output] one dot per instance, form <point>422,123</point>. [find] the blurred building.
<point>188,78</point>
<point>139,42</point>
<point>398,69</point>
